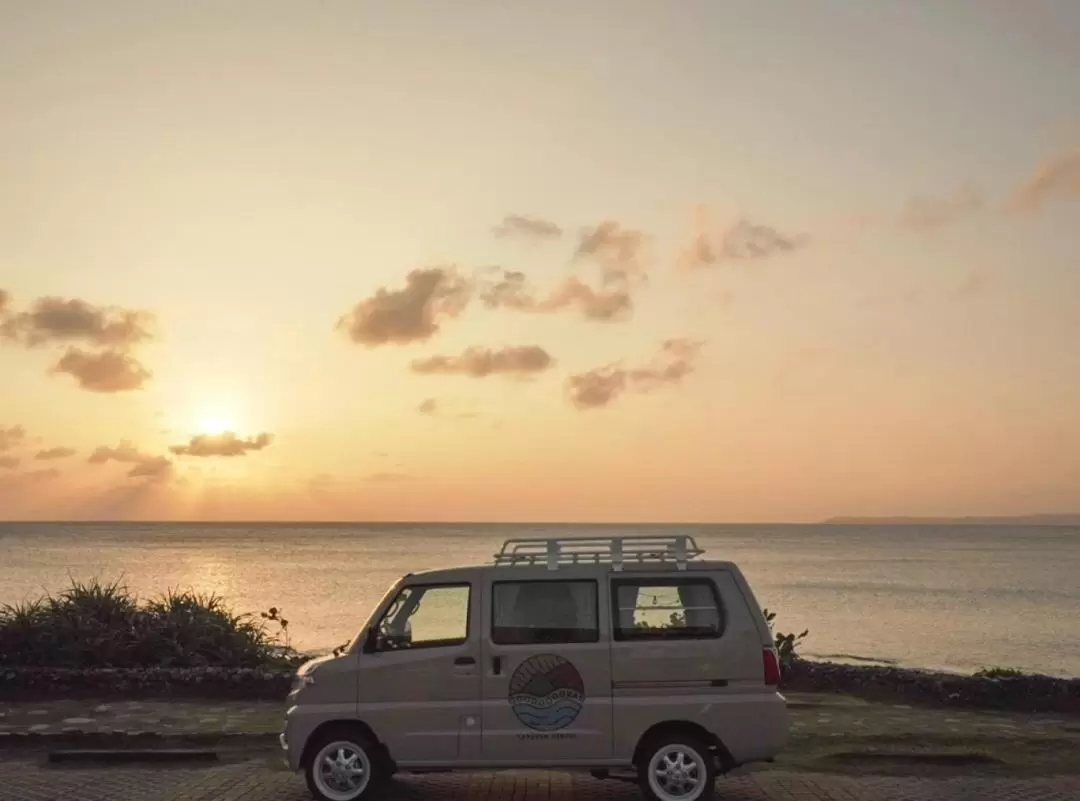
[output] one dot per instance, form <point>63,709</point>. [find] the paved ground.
<point>842,749</point>
<point>256,781</point>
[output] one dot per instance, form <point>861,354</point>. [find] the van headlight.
<point>301,680</point>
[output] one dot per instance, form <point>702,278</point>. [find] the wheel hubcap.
<point>342,771</point>
<point>677,772</point>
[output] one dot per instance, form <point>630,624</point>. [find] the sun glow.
<point>215,426</point>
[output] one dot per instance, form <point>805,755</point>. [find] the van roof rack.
<point>616,551</point>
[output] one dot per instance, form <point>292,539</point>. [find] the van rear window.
<point>544,612</point>
<point>666,609</point>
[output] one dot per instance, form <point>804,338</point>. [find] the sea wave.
<point>872,660</point>
<point>548,719</point>
<point>547,700</point>
<point>566,703</point>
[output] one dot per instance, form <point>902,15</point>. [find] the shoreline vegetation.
<point>95,624</point>
<point>96,639</point>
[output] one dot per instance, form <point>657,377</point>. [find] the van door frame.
<point>506,740</point>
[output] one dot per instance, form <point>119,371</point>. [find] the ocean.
<point>955,598</point>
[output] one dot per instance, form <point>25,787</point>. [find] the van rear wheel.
<point>344,766</point>
<point>677,767</point>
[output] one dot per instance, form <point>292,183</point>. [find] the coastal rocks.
<point>26,683</point>
<point>1026,693</point>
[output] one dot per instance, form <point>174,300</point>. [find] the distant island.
<point>1020,520</point>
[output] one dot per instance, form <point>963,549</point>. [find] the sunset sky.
<point>581,261</point>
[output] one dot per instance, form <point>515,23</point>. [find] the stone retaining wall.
<point>894,685</point>
<point>1030,693</point>
<point>25,684</point>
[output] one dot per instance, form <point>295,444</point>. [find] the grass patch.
<point>102,624</point>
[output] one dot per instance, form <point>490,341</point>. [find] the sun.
<point>215,426</point>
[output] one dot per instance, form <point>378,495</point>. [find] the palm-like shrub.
<point>100,624</point>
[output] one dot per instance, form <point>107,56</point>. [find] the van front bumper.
<point>288,739</point>
<point>283,741</point>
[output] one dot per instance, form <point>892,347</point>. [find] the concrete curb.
<point>104,755</point>
<point>139,741</point>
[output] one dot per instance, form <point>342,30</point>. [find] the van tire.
<point>336,756</point>
<point>677,766</point>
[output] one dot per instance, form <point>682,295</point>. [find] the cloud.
<point>1056,179</point>
<point>599,387</point>
<point>928,214</point>
<point>748,241</point>
<point>5,302</point>
<point>144,465</point>
<point>699,254</point>
<point>67,321</point>
<point>62,320</point>
<point>54,453</point>
<point>482,362</point>
<point>108,371</point>
<point>9,462</point>
<point>520,226</point>
<point>511,291</point>
<point>603,305</point>
<point>428,407</point>
<point>227,444</point>
<point>412,314</point>
<point>618,249</point>
<point>124,452</point>
<point>155,468</point>
<point>742,241</point>
<point>11,437</point>
<point>672,364</point>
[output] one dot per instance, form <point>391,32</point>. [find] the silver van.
<point>612,655</point>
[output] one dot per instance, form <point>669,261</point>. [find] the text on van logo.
<point>546,692</point>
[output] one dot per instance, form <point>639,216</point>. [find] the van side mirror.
<point>371,640</point>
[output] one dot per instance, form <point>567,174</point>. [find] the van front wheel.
<point>344,767</point>
<point>677,767</point>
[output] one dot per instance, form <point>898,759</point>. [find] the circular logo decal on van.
<point>546,692</point>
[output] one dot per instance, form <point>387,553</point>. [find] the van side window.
<point>666,609</point>
<point>425,617</point>
<point>543,611</point>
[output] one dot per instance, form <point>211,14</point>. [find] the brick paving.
<point>25,780</point>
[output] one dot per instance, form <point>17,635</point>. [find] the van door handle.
<point>496,665</point>
<point>464,660</point>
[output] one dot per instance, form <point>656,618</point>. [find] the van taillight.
<point>772,667</point>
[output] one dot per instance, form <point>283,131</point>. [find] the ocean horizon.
<point>950,597</point>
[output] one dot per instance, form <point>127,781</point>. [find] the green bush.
<point>97,624</point>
